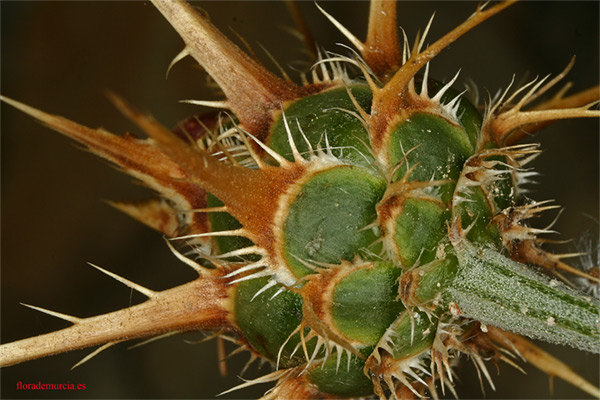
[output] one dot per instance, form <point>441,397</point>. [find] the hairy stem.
<point>498,291</point>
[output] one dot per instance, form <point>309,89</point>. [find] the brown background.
<point>61,56</point>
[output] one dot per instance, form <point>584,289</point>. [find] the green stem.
<point>495,290</point>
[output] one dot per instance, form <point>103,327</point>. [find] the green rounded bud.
<point>326,220</point>
<point>467,114</point>
<point>330,113</point>
<point>413,333</point>
<point>476,216</point>
<point>223,221</point>
<point>346,379</point>
<point>435,146</point>
<point>267,321</point>
<point>420,226</point>
<point>365,302</point>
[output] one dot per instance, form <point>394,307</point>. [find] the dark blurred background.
<point>61,56</point>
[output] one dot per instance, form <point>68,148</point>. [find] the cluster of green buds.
<point>360,231</point>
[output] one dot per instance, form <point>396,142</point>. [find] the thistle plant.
<point>360,231</point>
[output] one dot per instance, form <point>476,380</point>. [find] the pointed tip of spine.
<point>154,213</point>
<point>145,291</point>
<point>53,121</point>
<point>93,354</point>
<point>353,39</point>
<point>66,317</point>
<point>187,261</point>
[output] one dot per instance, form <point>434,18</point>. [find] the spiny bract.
<point>381,215</point>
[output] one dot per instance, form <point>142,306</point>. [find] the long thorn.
<point>544,361</point>
<point>146,292</point>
